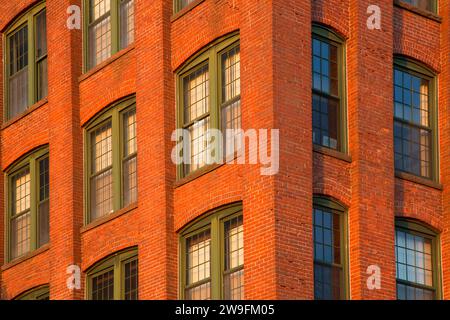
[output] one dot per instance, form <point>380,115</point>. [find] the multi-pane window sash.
<point>180,4</point>
<point>111,159</point>
<point>28,204</point>
<point>116,278</point>
<point>416,262</point>
<point>209,94</point>
<point>329,251</point>
<point>26,61</point>
<point>40,293</point>
<point>109,27</point>
<point>328,90</point>
<point>212,257</point>
<point>414,122</point>
<point>428,5</point>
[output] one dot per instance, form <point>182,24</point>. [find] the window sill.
<point>197,174</point>
<point>421,12</point>
<point>332,153</point>
<point>105,63</point>
<point>419,180</point>
<point>100,221</point>
<point>26,257</point>
<point>185,10</point>
<point>29,110</point>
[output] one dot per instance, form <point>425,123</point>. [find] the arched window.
<point>209,97</point>
<point>115,278</point>
<point>212,257</point>
<point>415,120</point>
<point>417,261</point>
<point>328,89</point>
<point>26,61</point>
<point>330,250</point>
<point>28,203</point>
<point>38,293</point>
<point>111,160</point>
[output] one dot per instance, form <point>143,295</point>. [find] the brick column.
<point>66,147</point>
<point>276,94</point>
<point>156,121</point>
<point>371,214</point>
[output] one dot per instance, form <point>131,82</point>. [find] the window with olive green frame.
<point>39,293</point>
<point>328,89</point>
<point>330,250</point>
<point>427,5</point>
<point>417,256</point>
<point>212,256</point>
<point>28,193</point>
<point>209,97</point>
<point>115,278</point>
<point>108,28</point>
<point>180,4</point>
<point>415,119</point>
<point>25,58</point>
<point>111,160</point>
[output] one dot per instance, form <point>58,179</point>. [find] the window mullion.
<point>114,26</point>
<point>116,166</point>
<point>33,203</point>
<point>31,61</point>
<point>117,278</point>
<point>215,259</point>
<point>214,107</point>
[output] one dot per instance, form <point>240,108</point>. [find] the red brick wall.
<point>276,93</point>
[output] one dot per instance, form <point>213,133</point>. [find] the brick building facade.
<point>360,180</point>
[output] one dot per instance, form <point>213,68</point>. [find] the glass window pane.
<point>413,147</point>
<point>231,74</point>
<point>325,121</point>
<point>131,280</point>
<point>20,235</point>
<point>126,23</point>
<point>101,170</point>
<point>428,5</point>
<point>234,258</point>
<point>103,286</point>
<point>413,261</point>
<point>196,94</point>
<point>130,158</point>
<point>99,32</point>
<point>41,55</point>
<point>130,181</point>
<point>18,72</point>
<point>129,133</point>
<point>41,34</point>
<point>231,104</point>
<point>21,216</point>
<point>197,147</point>
<point>43,208</point>
<point>198,266</point>
<point>183,3</point>
<point>411,95</point>
<point>328,275</point>
<point>42,85</point>
<point>98,8</point>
